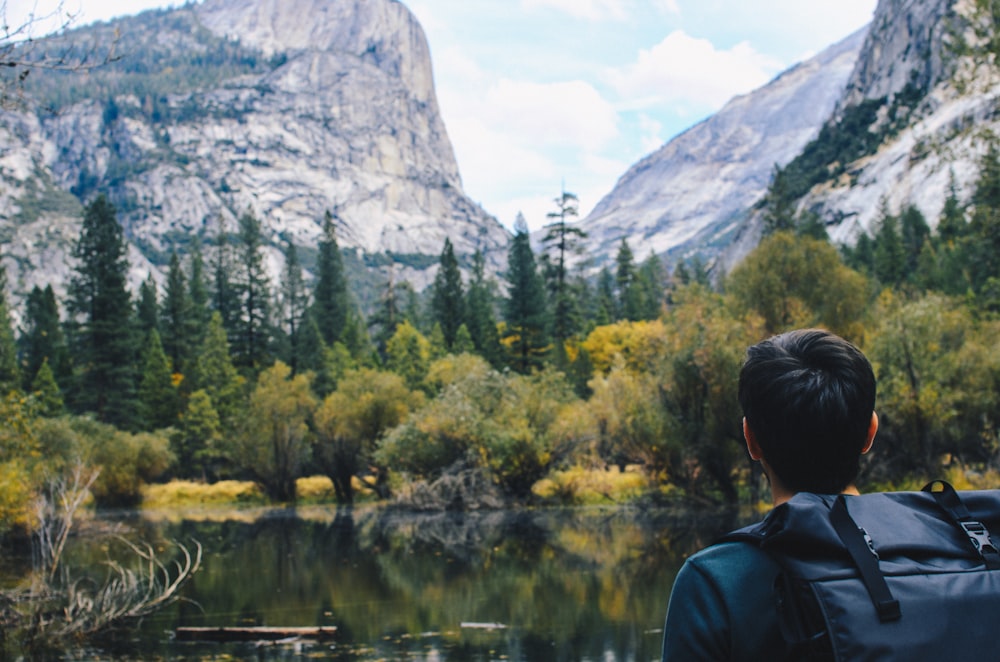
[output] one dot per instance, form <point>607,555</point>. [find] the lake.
<point>534,585</point>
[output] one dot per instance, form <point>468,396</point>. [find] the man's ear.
<point>872,429</point>
<point>752,446</point>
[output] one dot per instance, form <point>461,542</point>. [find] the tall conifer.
<point>481,319</point>
<point>10,375</point>
<point>253,289</point>
<point>103,343</point>
<point>526,311</point>
<point>175,317</point>
<point>331,301</point>
<point>447,297</point>
<point>42,338</point>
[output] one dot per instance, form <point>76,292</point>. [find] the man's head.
<point>808,399</point>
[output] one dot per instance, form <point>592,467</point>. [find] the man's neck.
<point>780,495</point>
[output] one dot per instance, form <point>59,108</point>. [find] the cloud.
<point>686,71</point>
<point>570,113</point>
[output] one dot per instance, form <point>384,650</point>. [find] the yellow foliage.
<point>578,485</point>
<point>639,344</point>
<point>189,493</point>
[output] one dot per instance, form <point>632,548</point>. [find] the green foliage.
<point>936,373</point>
<point>409,355</point>
<point>10,374</point>
<point>561,238</point>
<point>42,337</point>
<point>272,444</point>
<point>480,313</point>
<point>177,324</point>
<point>447,296</point>
<point>126,461</point>
<point>352,419</point>
<point>104,343</point>
<point>158,398</point>
<point>526,311</point>
<point>46,392</point>
<point>331,301</point>
<point>214,372</point>
<point>196,441</point>
<point>796,281</point>
<point>502,423</point>
<point>253,293</point>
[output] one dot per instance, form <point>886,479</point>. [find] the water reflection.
<point>566,585</point>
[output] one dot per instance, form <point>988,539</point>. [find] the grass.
<point>187,493</point>
<point>184,493</point>
<point>579,486</point>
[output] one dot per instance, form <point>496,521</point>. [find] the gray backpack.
<point>888,576</point>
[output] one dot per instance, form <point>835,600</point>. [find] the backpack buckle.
<point>980,537</point>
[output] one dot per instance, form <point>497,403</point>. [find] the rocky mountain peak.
<point>382,33</point>
<point>284,108</point>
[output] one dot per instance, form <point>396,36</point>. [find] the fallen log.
<point>253,633</point>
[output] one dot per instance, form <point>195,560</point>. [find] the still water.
<point>545,585</point>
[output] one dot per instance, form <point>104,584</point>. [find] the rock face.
<point>943,46</point>
<point>312,105</point>
<point>932,61</point>
<point>691,194</point>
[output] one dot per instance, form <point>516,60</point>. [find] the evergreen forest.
<point>483,392</point>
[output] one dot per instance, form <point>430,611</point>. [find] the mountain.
<point>692,194</point>
<point>898,115</point>
<point>284,108</point>
<point>927,71</point>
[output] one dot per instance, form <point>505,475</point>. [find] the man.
<point>808,400</point>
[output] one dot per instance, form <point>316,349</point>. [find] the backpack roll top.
<point>887,576</point>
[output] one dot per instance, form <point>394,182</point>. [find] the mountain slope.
<point>286,109</point>
<point>688,195</point>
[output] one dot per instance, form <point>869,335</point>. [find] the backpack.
<point>886,576</point>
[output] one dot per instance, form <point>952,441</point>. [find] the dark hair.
<point>808,397</point>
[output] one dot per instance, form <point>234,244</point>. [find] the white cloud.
<point>570,113</point>
<point>685,70</point>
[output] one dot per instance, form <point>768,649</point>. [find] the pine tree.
<point>176,327</point>
<point>253,335</point>
<point>10,375</point>
<point>606,306</point>
<point>42,338</point>
<point>46,392</point>
<point>561,238</point>
<point>103,341</point>
<point>463,341</point>
<point>779,212</point>
<point>629,300</point>
<point>158,400</point>
<point>225,299</point>
<point>479,306</point>
<point>294,306</point>
<point>147,308</point>
<point>447,297</point>
<point>196,440</point>
<point>526,311</point>
<point>198,296</point>
<point>984,226</point>
<point>651,281</point>
<point>331,300</point>
<point>889,254</point>
<point>214,372</point>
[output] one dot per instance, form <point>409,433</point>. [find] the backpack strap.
<point>952,504</point>
<point>865,559</point>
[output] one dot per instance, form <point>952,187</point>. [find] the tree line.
<point>227,375</point>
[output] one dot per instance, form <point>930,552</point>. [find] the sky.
<point>545,96</point>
